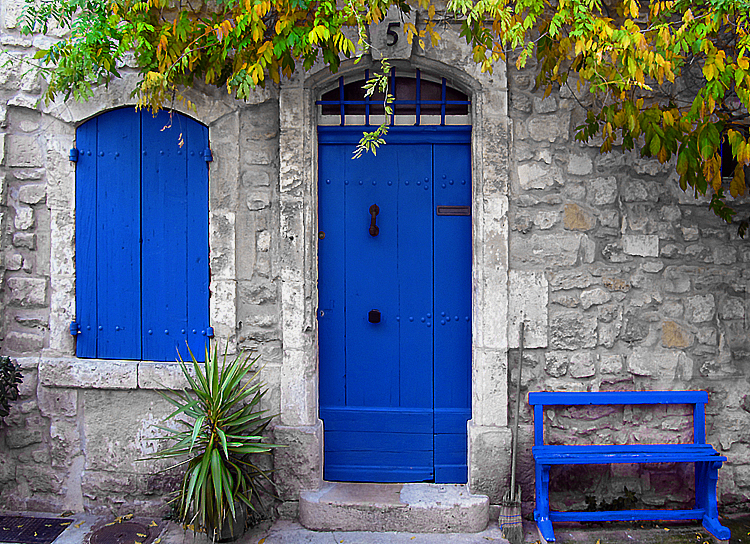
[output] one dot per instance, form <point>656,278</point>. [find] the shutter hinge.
<point>210,332</point>
<point>73,154</point>
<point>74,328</point>
<point>208,155</point>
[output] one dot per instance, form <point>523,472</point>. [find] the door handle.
<point>374,211</point>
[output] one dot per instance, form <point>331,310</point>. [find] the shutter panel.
<point>86,239</point>
<point>118,263</point>
<point>175,237</point>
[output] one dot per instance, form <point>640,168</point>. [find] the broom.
<point>511,523</point>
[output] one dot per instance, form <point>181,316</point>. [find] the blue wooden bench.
<point>707,460</point>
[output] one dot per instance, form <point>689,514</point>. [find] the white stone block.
<point>641,245</point>
<point>529,302</point>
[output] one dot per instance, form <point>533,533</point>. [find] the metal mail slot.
<point>454,210</point>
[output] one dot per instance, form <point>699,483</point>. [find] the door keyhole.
<point>374,211</point>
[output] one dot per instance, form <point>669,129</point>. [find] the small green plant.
<point>221,429</point>
<point>10,378</point>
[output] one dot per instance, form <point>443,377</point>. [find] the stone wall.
<point>647,290</point>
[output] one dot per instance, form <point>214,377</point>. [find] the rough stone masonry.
<point>624,281</point>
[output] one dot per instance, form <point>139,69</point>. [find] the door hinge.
<point>208,155</point>
<point>210,332</point>
<point>73,154</point>
<point>74,328</point>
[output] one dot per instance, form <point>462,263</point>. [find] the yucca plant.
<point>221,428</point>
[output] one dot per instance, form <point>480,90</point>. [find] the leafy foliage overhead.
<point>670,78</point>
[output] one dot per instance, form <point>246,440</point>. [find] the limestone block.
<point>546,250</point>
<point>20,437</point>
<point>724,254</point>
<point>62,312</point>
<point>700,308</point>
<point>690,234</point>
<point>27,292</point>
<point>732,308</point>
<point>490,387</point>
<point>577,218</point>
<point>65,441</point>
<point>117,443</point>
<point>258,200</point>
<point>572,330</point>
<point>57,402</point>
<point>96,483</point>
<point>608,333</point>
<point>545,105</point>
<point>388,38</point>
<point>675,336</point>
<point>222,225</point>
<point>24,151</point>
<point>594,297</point>
<point>556,363</point>
<point>153,375</point>
<point>545,220</point>
<point>299,465</point>
<point>39,478</point>
<point>23,342</point>
<point>32,193</point>
<point>641,245</point>
<point>82,373</point>
<point>582,365</point>
<point>580,165</point>
<point>546,128</point>
<point>2,149</point>
<point>298,388</point>
<point>611,364</point>
<point>602,191</point>
<point>569,279</point>
<point>24,219</point>
<point>222,309</point>
<point>537,175</point>
<point>663,364</point>
<point>489,460</point>
<point>225,168</point>
<point>528,300</point>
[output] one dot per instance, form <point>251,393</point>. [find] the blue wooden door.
<point>142,272</point>
<point>395,305</point>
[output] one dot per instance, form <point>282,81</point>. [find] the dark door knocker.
<point>374,211</point>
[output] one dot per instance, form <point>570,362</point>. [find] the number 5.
<point>392,33</point>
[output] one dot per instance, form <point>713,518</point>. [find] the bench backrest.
<point>697,398</point>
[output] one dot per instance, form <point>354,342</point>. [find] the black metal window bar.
<point>412,96</point>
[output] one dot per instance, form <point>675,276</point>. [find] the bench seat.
<point>638,453</point>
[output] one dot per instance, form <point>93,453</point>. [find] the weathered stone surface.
<point>580,165</point>
<point>489,460</point>
<point>675,336</point>
<point>611,364</point>
<point>700,308</point>
<point>732,308</point>
<point>528,303</point>
<point>298,466</point>
<point>663,365</point>
<point>24,151</point>
<point>82,373</point>
<point>24,218</point>
<point>595,296</point>
<point>572,330</point>
<point>550,128</point>
<point>577,218</point>
<point>545,105</point>
<point>537,175</point>
<point>582,365</point>
<point>641,245</point>
<point>548,250</point>
<point>724,254</point>
<point>556,363</point>
<point>29,292</point>
<point>32,194</point>
<point>20,437</point>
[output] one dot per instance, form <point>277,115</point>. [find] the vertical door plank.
<point>453,255</point>
<point>331,259</point>
<point>86,250</point>
<point>372,365</point>
<point>118,233</point>
<point>164,209</point>
<point>415,275</point>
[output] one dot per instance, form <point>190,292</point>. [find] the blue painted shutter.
<point>141,236</point>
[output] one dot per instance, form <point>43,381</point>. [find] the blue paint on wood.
<point>384,415</point>
<point>141,236</point>
<point>706,459</point>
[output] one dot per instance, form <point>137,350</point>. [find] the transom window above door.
<point>418,100</point>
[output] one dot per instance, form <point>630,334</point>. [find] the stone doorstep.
<point>413,508</point>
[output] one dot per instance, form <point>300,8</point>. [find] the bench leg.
<point>706,480</point>
<point>541,512</point>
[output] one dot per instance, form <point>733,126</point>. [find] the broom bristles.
<point>510,521</point>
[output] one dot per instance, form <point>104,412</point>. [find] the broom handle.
<point>515,423</point>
